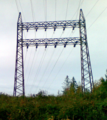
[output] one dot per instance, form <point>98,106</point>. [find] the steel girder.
<point>86,70</point>
<point>51,42</point>
<point>50,25</point>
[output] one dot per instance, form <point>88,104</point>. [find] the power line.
<point>45,9</point>
<point>77,14</point>
<point>43,73</point>
<point>38,67</point>
<point>97,18</point>
<point>78,8</point>
<point>36,59</point>
<point>51,37</point>
<point>61,51</point>
<point>61,35</point>
<point>35,37</point>
<point>26,70</point>
<point>80,3</point>
<point>53,66</point>
<point>61,67</point>
<point>92,7</point>
<point>46,32</point>
<point>25,56</point>
<point>55,10</point>
<point>57,59</point>
<point>45,12</point>
<point>55,20</point>
<point>17,6</point>
<point>31,66</point>
<point>24,18</point>
<point>48,63</point>
<point>42,60</point>
<point>22,10</point>
<point>66,9</point>
<point>32,10</point>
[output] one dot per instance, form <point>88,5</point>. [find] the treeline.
<point>73,104</point>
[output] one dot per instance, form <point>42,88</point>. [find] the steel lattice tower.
<point>86,70</point>
<point>19,67</point>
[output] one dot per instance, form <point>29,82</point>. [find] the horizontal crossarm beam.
<point>51,41</point>
<point>50,25</point>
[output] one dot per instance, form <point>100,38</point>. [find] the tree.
<point>41,93</point>
<point>73,84</point>
<point>69,84</point>
<point>66,85</point>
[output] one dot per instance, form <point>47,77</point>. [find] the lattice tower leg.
<point>19,89</point>
<point>86,70</point>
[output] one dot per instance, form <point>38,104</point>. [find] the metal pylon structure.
<point>19,88</point>
<point>86,70</point>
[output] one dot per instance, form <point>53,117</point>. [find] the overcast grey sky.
<point>47,74</point>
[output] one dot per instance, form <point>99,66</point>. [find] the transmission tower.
<point>19,88</point>
<point>86,70</point>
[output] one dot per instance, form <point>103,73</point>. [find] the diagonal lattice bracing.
<point>86,70</point>
<point>19,66</point>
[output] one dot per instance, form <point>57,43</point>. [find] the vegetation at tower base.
<point>70,106</point>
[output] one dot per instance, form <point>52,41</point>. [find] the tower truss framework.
<point>86,70</point>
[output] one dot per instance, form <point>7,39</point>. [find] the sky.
<point>46,69</point>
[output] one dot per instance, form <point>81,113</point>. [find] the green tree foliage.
<point>72,106</point>
<point>69,84</point>
<point>66,82</point>
<point>41,93</point>
<point>73,85</point>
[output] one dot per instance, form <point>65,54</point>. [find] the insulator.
<point>36,45</point>
<point>65,44</point>
<point>45,27</point>
<point>55,44</point>
<point>36,28</point>
<point>27,28</point>
<point>27,45</point>
<point>46,44</point>
<point>75,43</point>
<point>74,26</point>
<point>64,27</point>
<point>54,27</point>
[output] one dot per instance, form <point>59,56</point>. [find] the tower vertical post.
<point>19,89</point>
<point>86,70</point>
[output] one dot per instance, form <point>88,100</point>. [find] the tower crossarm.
<point>51,41</point>
<point>50,25</point>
